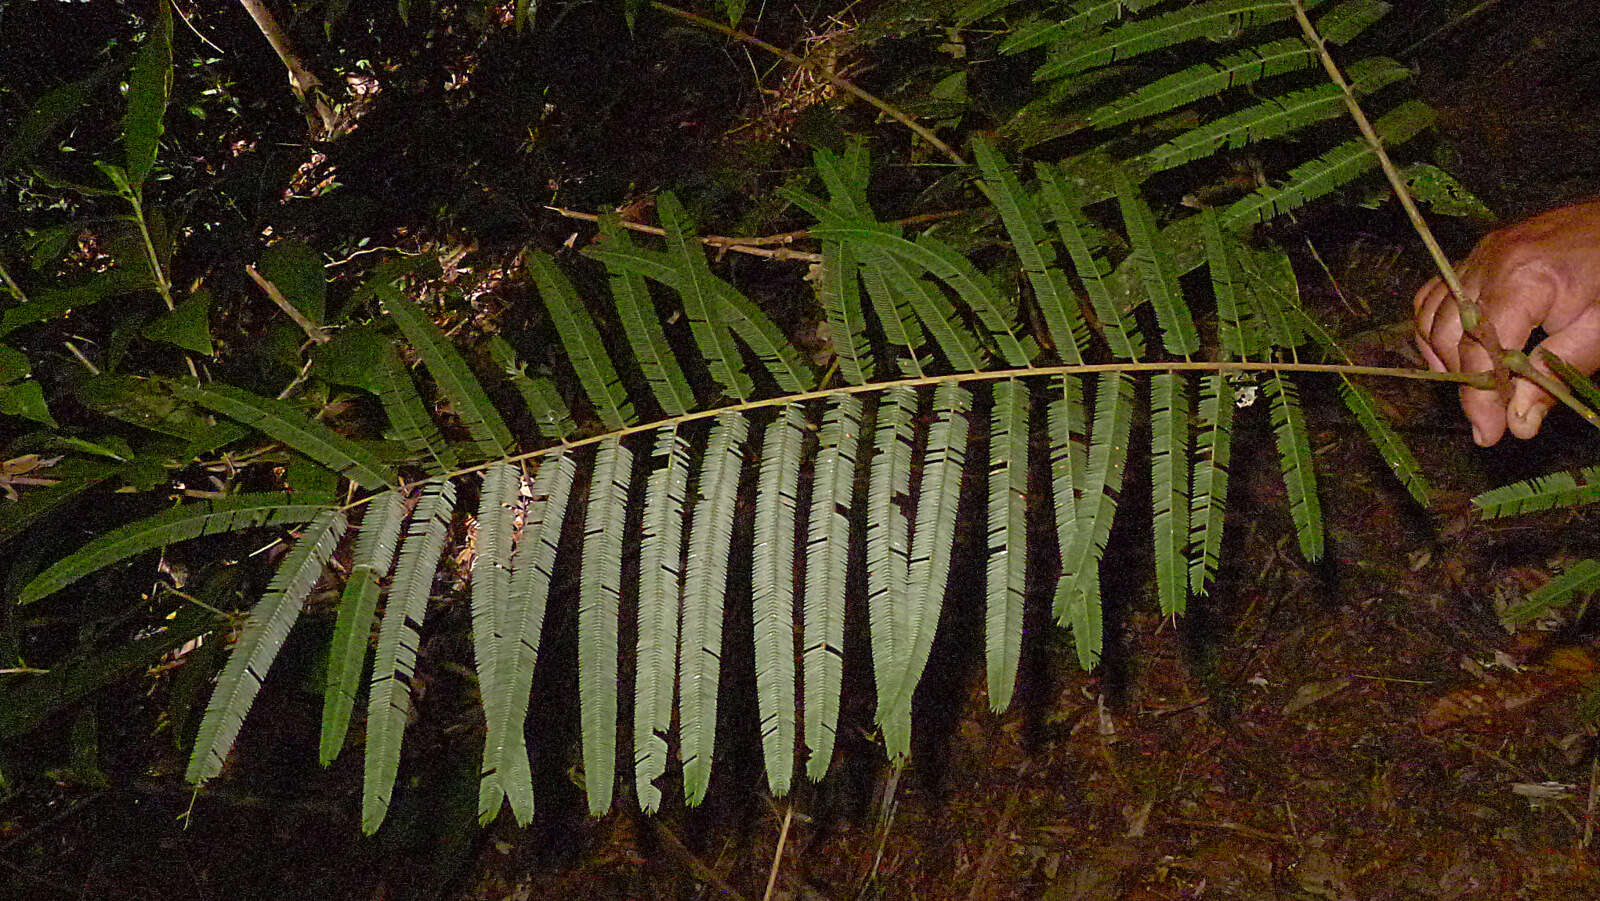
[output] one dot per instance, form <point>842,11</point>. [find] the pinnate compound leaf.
<point>259,643</point>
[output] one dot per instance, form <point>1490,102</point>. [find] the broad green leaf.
<point>212,517</point>
<point>149,85</point>
<point>297,272</point>
<point>188,326</point>
<point>49,113</point>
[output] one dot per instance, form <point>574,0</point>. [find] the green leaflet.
<point>212,517</point>
<point>1068,430</point>
<point>889,540</point>
<point>928,566</point>
<point>1209,500</point>
<point>1582,577</point>
<point>642,324</point>
<point>931,306</point>
<point>705,580</point>
<point>1169,492</point>
<point>827,562</point>
<point>499,502</point>
<point>389,698</point>
<point>259,643</point>
<point>1238,330</point>
<point>599,604</point>
<point>52,110</point>
<point>1077,600</point>
<point>1207,79</point>
<point>581,338</point>
<point>838,289</point>
<point>1152,257</point>
<point>409,418</point>
<point>450,372</point>
<point>1007,538</point>
<point>1332,170</point>
<point>1294,458</point>
<point>1116,323</point>
<point>549,411</point>
<point>1083,16</point>
<point>701,300</point>
<point>660,591</point>
<point>1035,250</point>
<point>895,316</point>
<point>766,340</point>
<point>284,422</point>
<point>149,85</point>
<point>1389,444</point>
<point>352,632</point>
<point>1547,492</point>
<point>772,592</point>
<point>1273,117</point>
<point>505,753</point>
<point>1195,21</point>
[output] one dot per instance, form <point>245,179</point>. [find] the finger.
<point>1579,345</point>
<point>1425,307</point>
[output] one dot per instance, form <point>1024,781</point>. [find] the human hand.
<point>1543,272</point>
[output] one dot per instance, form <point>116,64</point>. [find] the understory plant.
<point>970,368</point>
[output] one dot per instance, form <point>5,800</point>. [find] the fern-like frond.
<point>895,317</point>
<point>1239,330</point>
<point>928,566</point>
<point>1169,492</point>
<point>772,592</point>
<point>1547,492</point>
<point>599,605</point>
<point>1116,323</point>
<point>550,414</point>
<point>1330,171</point>
<point>1035,250</point>
<point>1273,117</point>
<point>581,338</point>
<point>1077,602</point>
<point>1270,289</point>
<point>660,590</point>
<point>263,636</point>
<point>1081,16</point>
<point>499,501</point>
<point>1389,444</point>
<point>889,539</point>
<point>284,422</point>
<point>1152,258</point>
<point>1067,423</point>
<point>1580,578</point>
<point>705,580</point>
<point>1207,79</point>
<point>352,632</point>
<point>409,418</point>
<point>450,372</point>
<point>399,639</point>
<point>505,754</point>
<point>1294,458</point>
<point>642,324</point>
<point>1208,501</point>
<point>1007,538</point>
<point>211,517</point>
<point>838,289</point>
<point>827,562</point>
<point>1214,19</point>
<point>701,301</point>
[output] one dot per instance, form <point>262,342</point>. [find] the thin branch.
<point>301,80</point>
<point>837,81</point>
<point>1473,322</point>
<point>311,329</point>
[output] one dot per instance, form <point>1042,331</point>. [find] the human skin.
<point>1542,272</point>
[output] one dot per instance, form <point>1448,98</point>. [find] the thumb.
<point>1579,345</point>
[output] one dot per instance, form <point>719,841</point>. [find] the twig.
<point>755,246</point>
<point>311,329</point>
<point>203,39</point>
<point>777,856</point>
<point>301,80</point>
<point>1473,322</point>
<point>839,82</point>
